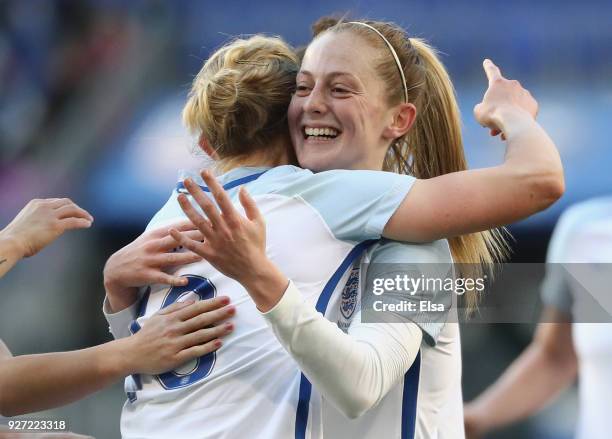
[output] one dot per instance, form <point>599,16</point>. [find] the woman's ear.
<point>404,116</point>
<point>203,142</point>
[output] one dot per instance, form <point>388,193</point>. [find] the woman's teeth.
<point>329,133</point>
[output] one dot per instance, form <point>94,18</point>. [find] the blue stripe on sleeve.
<point>409,398</point>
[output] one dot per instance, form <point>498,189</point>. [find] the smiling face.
<point>339,117</point>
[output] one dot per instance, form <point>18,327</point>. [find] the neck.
<point>276,155</point>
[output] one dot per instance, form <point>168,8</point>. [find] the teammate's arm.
<point>529,180</point>
<point>38,224</point>
<point>543,370</point>
<point>171,337</point>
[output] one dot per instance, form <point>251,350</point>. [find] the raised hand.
<point>233,244</point>
<point>502,95</point>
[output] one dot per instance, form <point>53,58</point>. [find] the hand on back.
<point>179,333</point>
<point>143,262</point>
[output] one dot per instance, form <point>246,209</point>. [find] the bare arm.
<point>10,254</point>
<point>172,337</point>
<point>546,367</point>
<point>529,180</point>
<point>36,382</point>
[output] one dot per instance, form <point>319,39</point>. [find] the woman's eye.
<point>302,89</point>
<point>340,90</point>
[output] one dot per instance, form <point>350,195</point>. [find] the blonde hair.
<point>239,100</point>
<point>434,145</point>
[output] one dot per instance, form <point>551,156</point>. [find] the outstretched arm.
<point>38,224</point>
<point>529,180</point>
<point>173,336</point>
<point>546,367</point>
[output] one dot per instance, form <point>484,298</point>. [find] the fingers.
<point>199,351</point>
<point>209,318</point>
<point>194,246</point>
<point>72,210</point>
<point>168,243</point>
<point>74,223</point>
<point>204,306</point>
<point>174,259</point>
<point>200,222</point>
<point>175,307</point>
<point>205,335</point>
<point>491,70</point>
<point>66,208</point>
<point>206,312</point>
<point>250,207</point>
<point>183,226</point>
<point>204,202</point>
<point>159,277</point>
<point>56,203</point>
<point>223,200</point>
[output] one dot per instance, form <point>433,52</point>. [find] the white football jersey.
<point>427,403</point>
<point>250,387</point>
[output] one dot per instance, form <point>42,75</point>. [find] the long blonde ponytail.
<point>434,146</point>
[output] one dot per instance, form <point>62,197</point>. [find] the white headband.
<point>397,61</point>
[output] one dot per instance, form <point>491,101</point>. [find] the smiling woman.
<point>338,89</point>
<point>344,114</point>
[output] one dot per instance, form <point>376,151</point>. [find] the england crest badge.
<point>350,294</point>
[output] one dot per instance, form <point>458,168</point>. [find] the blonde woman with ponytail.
<point>344,115</point>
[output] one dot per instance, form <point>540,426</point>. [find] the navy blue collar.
<point>180,187</point>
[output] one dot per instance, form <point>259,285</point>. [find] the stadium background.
<point>90,100</point>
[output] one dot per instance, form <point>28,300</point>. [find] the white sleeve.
<point>353,371</point>
<point>119,322</point>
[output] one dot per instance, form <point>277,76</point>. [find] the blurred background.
<point>90,101</point>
